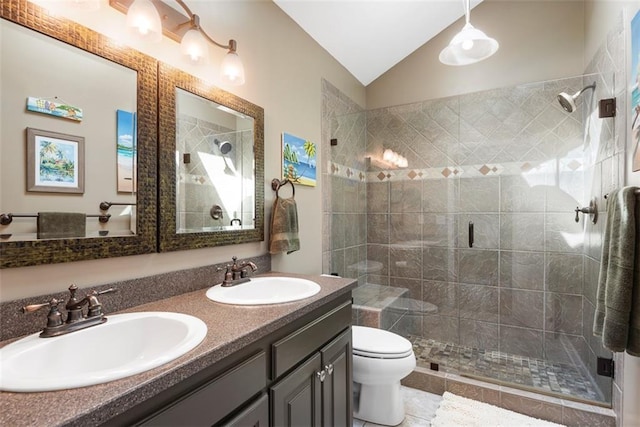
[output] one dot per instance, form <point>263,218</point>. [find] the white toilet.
<point>380,360</point>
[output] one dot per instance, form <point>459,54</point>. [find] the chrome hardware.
<point>321,375</point>
<point>76,320</point>
<point>329,368</point>
<point>235,273</point>
<point>591,210</point>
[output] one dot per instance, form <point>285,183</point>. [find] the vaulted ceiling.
<point>368,37</point>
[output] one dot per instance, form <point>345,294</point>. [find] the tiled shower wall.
<point>344,190</point>
<point>605,173</point>
<point>197,192</point>
<point>511,162</point>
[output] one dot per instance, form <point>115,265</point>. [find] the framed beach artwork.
<point>298,160</point>
<point>127,159</point>
<point>635,91</point>
<point>55,162</point>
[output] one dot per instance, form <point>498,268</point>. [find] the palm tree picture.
<point>298,160</point>
<point>55,162</point>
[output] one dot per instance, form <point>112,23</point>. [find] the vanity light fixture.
<point>469,46</point>
<point>150,19</point>
<point>143,21</point>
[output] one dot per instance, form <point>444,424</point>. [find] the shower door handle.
<point>470,234</point>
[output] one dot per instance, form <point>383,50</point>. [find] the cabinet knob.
<point>321,375</point>
<point>329,368</point>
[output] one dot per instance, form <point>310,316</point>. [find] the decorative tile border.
<point>346,172</point>
<point>448,172</point>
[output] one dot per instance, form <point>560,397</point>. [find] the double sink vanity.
<point>283,363</point>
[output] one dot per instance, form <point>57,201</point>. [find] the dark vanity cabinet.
<point>318,393</point>
<point>298,375</point>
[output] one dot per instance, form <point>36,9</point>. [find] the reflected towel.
<point>58,225</point>
<point>617,317</point>
<point>284,226</point>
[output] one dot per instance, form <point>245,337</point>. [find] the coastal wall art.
<point>298,160</point>
<point>55,162</point>
<point>126,143</point>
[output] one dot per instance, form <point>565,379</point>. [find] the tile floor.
<point>420,408</point>
<point>548,376</point>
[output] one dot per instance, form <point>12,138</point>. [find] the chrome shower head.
<point>568,102</point>
<point>223,146</point>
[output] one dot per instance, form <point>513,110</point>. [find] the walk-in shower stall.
<point>483,251</point>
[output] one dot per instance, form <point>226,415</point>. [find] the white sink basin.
<point>125,345</point>
<point>264,290</point>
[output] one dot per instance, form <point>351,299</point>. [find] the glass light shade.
<point>232,70</point>
<point>143,20</point>
<point>195,47</point>
<point>468,46</point>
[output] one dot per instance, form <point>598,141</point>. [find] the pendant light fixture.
<point>143,19</point>
<point>469,46</point>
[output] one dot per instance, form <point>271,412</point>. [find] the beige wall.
<point>284,67</point>
<point>539,40</point>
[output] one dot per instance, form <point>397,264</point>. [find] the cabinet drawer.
<point>256,415</point>
<point>295,347</point>
<point>211,402</point>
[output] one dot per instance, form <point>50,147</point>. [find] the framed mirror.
<point>78,142</point>
<point>211,164</point>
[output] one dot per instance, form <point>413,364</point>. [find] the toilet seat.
<point>380,344</point>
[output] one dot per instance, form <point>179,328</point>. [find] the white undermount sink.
<point>264,290</point>
<point>125,345</point>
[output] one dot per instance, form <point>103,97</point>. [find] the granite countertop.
<point>230,328</point>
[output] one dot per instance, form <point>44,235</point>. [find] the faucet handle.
<point>35,307</point>
<point>105,291</point>
<point>95,308</point>
<point>54,318</point>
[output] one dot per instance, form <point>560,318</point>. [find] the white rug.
<point>459,411</point>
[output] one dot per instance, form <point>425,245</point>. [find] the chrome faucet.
<point>76,319</point>
<point>237,273</point>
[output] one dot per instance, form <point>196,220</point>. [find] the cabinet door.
<point>337,387</point>
<point>296,400</point>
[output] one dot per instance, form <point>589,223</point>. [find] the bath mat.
<point>456,411</point>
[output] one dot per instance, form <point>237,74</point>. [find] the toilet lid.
<point>373,342</point>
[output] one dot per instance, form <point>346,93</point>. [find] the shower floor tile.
<point>553,377</point>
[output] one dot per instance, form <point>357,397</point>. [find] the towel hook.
<point>276,184</point>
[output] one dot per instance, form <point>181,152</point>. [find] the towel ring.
<point>276,184</point>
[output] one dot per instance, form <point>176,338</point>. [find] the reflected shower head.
<point>223,146</point>
<point>568,102</point>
